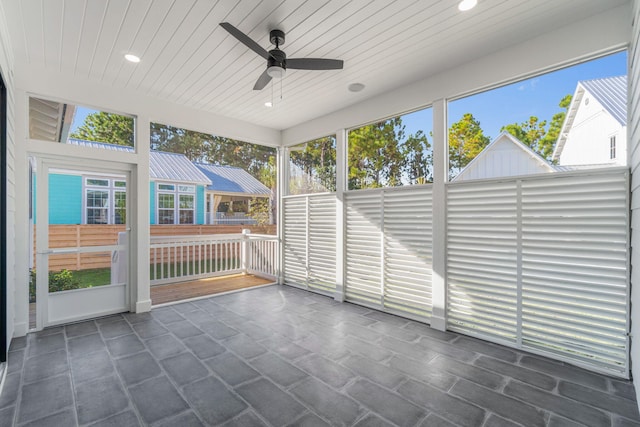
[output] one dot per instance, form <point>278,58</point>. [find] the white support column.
<point>341,187</point>
<point>244,261</point>
<point>22,245</point>
<point>282,186</point>
<point>140,239</point>
<point>440,177</point>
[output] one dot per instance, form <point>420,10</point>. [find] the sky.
<point>515,103</point>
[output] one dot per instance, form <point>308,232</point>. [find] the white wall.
<point>563,46</point>
<point>633,121</point>
<point>6,70</point>
<point>503,158</point>
<point>588,139</point>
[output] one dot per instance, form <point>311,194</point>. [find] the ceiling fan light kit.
<point>277,62</point>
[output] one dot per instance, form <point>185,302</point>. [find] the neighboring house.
<point>504,156</point>
<point>181,192</point>
<point>595,129</point>
<point>228,185</point>
<point>177,192</point>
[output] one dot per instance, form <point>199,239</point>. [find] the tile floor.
<point>279,356</point>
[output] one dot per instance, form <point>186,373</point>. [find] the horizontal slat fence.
<point>541,263</point>
<point>389,249</point>
<point>310,242</point>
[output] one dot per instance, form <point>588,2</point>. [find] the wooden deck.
<point>185,290</point>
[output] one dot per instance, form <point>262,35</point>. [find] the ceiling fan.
<point>277,62</point>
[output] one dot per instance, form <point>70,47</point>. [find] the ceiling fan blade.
<point>263,80</point>
<point>244,39</point>
<point>314,64</point>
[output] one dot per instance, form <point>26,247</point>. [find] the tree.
<point>380,154</point>
<point>316,163</point>
<point>466,141</point>
<point>535,134</point>
<point>106,127</point>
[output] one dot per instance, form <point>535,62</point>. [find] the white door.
<point>81,269</point>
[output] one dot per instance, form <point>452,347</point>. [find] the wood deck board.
<point>197,288</point>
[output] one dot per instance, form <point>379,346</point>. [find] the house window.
<point>105,201</point>
<point>612,147</point>
<point>176,204</point>
<point>187,206</point>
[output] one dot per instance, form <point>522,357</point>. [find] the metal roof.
<point>162,165</point>
<point>611,92</point>
<point>228,179</point>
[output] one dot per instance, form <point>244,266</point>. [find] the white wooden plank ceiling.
<point>189,59</point>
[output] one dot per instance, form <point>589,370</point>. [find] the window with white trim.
<point>612,147</point>
<point>176,204</point>
<point>105,201</point>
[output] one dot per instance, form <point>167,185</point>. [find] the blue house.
<point>181,192</point>
<point>177,192</point>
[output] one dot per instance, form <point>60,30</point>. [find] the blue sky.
<point>515,103</point>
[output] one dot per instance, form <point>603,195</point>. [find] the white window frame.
<point>112,187</point>
<point>612,147</point>
<point>178,190</point>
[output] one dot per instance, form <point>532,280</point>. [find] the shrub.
<point>62,280</point>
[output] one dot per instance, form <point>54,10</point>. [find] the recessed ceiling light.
<point>268,104</point>
<point>132,58</point>
<point>465,5</point>
<point>356,87</point>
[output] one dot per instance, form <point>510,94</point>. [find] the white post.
<point>341,187</point>
<point>440,176</point>
<point>282,185</point>
<point>245,250</point>
<point>140,240</point>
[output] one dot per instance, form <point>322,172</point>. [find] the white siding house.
<point>504,156</point>
<point>595,130</point>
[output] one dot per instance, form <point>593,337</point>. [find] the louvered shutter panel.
<point>408,249</point>
<point>575,267</point>
<point>295,240</point>
<point>481,259</point>
<point>310,242</point>
<point>363,247</point>
<point>322,243</point>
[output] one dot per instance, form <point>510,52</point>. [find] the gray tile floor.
<point>280,356</point>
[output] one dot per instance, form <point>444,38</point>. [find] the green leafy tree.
<point>535,134</point>
<point>466,141</point>
<point>380,154</point>
<point>316,160</point>
<point>106,127</point>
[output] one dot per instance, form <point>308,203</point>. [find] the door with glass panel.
<point>81,269</point>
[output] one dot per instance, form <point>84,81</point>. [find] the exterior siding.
<point>65,199</point>
<point>6,65</point>
<point>152,202</point>
<point>200,204</point>
<point>633,124</point>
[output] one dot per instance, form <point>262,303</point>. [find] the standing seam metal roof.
<point>229,179</point>
<point>611,92</point>
<point>162,165</point>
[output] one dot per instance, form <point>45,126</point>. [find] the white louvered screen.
<point>407,250</point>
<point>574,267</point>
<point>295,240</point>
<point>363,247</point>
<point>322,243</point>
<point>389,248</point>
<point>541,263</point>
<point>481,259</point>
<point>310,242</point>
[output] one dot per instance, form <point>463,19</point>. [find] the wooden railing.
<point>184,258</point>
